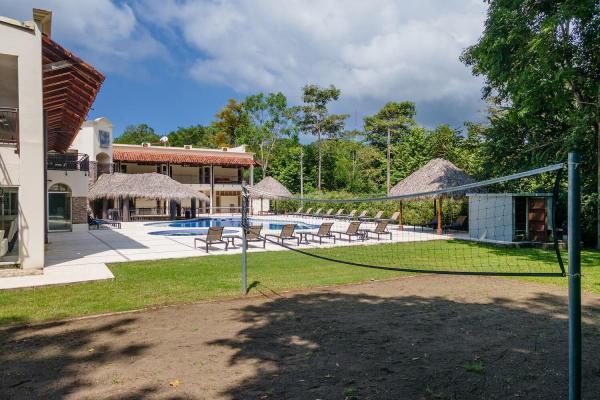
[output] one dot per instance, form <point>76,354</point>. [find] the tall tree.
<point>271,120</point>
<point>232,122</point>
<point>541,61</point>
<point>137,134</point>
<point>197,135</point>
<point>317,120</point>
<point>387,126</point>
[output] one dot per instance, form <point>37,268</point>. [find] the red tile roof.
<point>180,158</point>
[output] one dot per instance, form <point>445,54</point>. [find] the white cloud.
<point>380,50</point>
<point>107,33</point>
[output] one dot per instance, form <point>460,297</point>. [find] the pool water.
<point>189,232</point>
<point>229,222</point>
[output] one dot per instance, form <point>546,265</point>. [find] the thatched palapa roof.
<point>437,174</point>
<point>147,186</point>
<point>269,188</point>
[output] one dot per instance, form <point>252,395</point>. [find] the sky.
<point>174,63</point>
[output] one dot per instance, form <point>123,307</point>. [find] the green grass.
<point>153,283</point>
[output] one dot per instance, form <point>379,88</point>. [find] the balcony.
<point>234,180</point>
<point>9,125</point>
<point>68,162</point>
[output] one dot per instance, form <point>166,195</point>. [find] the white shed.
<point>511,217</point>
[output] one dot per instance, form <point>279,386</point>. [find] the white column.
<point>212,189</point>
<point>251,177</point>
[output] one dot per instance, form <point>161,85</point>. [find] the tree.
<point>387,127</point>
<point>137,134</point>
<point>232,121</point>
<point>317,120</point>
<point>271,120</point>
<point>541,62</point>
<point>196,135</point>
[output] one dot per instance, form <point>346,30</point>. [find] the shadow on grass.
<point>44,361</point>
<point>347,346</point>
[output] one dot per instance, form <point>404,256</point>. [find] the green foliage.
<point>232,122</point>
<point>316,119</point>
<point>396,117</point>
<point>196,135</point>
<point>137,134</point>
<point>541,63</point>
<point>270,121</point>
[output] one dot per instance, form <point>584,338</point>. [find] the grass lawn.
<point>152,283</point>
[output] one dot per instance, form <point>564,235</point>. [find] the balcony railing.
<point>68,162</point>
<point>9,125</point>
<point>227,179</point>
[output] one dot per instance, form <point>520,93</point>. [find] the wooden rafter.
<point>70,88</point>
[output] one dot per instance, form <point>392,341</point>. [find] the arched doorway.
<point>59,208</point>
<point>103,164</point>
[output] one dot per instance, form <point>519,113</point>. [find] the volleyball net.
<point>507,226</point>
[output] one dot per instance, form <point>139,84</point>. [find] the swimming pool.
<point>189,232</point>
<point>229,222</point>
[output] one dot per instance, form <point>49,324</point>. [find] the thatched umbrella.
<point>147,186</point>
<point>437,174</point>
<point>269,188</point>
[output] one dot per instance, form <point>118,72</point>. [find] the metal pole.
<point>574,240</point>
<point>388,179</point>
<point>301,172</point>
<point>245,199</point>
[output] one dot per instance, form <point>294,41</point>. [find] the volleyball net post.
<point>574,276</point>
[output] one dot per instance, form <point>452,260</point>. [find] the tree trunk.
<point>598,189</point>
<point>320,158</point>
<point>388,162</point>
<point>439,216</point>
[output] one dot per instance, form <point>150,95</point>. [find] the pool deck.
<point>82,256</point>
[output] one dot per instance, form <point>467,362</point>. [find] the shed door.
<point>537,218</point>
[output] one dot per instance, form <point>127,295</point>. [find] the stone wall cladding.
<point>80,210</point>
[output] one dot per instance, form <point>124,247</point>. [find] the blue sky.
<point>173,63</point>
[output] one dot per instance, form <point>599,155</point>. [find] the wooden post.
<point>439,216</point>
<point>104,208</point>
<point>401,218</point>
<point>125,209</point>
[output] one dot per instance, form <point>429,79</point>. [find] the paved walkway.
<point>82,256</point>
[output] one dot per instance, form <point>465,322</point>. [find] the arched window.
<point>60,187</point>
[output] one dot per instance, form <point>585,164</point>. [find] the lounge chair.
<point>316,213</point>
<point>253,235</point>
<point>350,215</point>
<point>459,225</point>
<point>325,214</point>
<point>298,212</point>
<point>362,215</point>
<point>287,233</point>
<point>377,217</point>
<point>337,214</point>
<point>213,236</point>
<point>394,217</point>
<point>380,229</point>
<point>308,212</point>
<point>352,231</point>
<point>96,223</point>
<point>323,232</point>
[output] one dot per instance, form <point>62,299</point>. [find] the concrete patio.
<point>82,256</point>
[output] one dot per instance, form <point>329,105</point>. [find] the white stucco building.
<point>45,95</point>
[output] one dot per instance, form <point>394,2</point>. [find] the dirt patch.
<point>426,337</point>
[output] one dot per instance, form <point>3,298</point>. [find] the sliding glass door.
<point>59,208</point>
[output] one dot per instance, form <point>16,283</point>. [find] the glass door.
<point>59,208</point>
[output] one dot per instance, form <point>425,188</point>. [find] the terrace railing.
<point>9,125</point>
<point>68,162</point>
